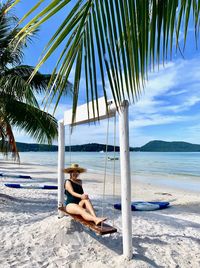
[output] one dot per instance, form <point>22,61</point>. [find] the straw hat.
<point>74,167</point>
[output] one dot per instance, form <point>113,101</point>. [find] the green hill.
<point>174,146</point>
<point>90,147</point>
<point>152,146</point>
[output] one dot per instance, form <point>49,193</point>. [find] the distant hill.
<point>174,146</point>
<point>90,147</point>
<point>152,146</point>
<point>34,147</point>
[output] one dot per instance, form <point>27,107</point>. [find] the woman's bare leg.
<point>77,210</point>
<point>88,205</point>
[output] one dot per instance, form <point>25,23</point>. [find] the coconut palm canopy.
<point>121,40</point>
<point>18,105</point>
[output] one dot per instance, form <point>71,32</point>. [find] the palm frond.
<point>18,104</point>
<point>36,123</point>
<point>128,38</point>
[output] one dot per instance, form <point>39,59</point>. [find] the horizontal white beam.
<point>89,113</point>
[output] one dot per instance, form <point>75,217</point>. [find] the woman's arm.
<point>70,189</point>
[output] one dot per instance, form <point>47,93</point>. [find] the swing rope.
<point>114,168</point>
<point>70,151</point>
<point>105,167</point>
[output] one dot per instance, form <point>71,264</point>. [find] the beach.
<point>32,235</point>
<point>108,91</point>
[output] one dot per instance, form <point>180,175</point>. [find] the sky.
<point>168,109</point>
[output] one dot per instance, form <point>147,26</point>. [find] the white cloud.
<point>176,92</point>
<point>168,95</point>
<point>157,119</point>
<point>186,105</point>
<point>167,91</point>
<point>158,84</point>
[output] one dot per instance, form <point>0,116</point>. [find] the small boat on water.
<point>113,158</point>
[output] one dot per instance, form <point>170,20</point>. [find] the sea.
<point>178,169</point>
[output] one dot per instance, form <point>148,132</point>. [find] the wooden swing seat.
<point>102,229</point>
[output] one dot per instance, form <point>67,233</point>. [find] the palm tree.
<point>18,104</point>
<point>120,39</point>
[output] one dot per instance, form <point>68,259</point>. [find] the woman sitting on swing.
<point>77,201</point>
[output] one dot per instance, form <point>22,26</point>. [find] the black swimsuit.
<point>70,198</point>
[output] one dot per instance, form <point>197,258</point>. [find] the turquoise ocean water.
<point>180,170</point>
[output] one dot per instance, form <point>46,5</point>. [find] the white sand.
<point>31,234</point>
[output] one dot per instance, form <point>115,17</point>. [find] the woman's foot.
<point>100,220</point>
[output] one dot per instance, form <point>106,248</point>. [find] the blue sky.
<point>167,110</point>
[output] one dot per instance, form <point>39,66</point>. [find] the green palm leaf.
<point>128,37</point>
<point>18,103</point>
<point>38,124</point>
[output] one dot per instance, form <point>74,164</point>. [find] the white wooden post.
<point>125,180</point>
<point>61,162</point>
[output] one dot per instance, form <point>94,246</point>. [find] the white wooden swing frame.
<point>83,117</point>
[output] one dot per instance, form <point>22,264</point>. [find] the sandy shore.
<point>31,234</point>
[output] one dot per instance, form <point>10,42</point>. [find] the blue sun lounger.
<point>25,186</point>
<point>15,176</point>
<point>145,206</point>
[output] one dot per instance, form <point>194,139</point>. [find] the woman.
<point>77,201</point>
